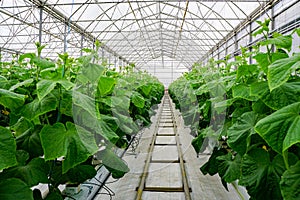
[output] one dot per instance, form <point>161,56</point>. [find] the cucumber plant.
<point>249,113</point>
<point>58,116</point>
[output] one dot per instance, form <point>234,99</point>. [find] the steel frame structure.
<point>137,31</point>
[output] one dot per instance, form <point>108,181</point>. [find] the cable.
<point>109,191</point>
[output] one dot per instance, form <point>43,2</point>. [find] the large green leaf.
<point>145,89</point>
<point>243,91</point>
<point>126,123</point>
<point>197,142</point>
<point>106,85</point>
<point>216,87</point>
<point>138,100</point>
<point>32,173</point>
<point>26,55</point>
<point>281,129</point>
<point>280,70</point>
<point>10,99</point>
<point>121,103</point>
<point>113,163</point>
<point>30,141</point>
<point>282,96</point>
<point>20,84</point>
<point>7,149</point>
<point>211,166</point>
<point>86,103</point>
<point>3,82</point>
<point>43,63</point>
<point>21,126</point>
<point>263,60</point>
<point>73,142</point>
<point>221,105</point>
<point>81,173</point>
<point>105,131</point>
<point>39,107</point>
<point>66,103</point>
<point>229,167</point>
<point>290,183</point>
<point>239,133</point>
<point>44,87</point>
<point>260,107</point>
<point>84,119</point>
<point>261,175</point>
<point>280,41</point>
<point>13,188</point>
<point>245,70</point>
<point>90,73</point>
<point>86,115</point>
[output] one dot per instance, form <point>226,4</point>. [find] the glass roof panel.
<point>138,31</point>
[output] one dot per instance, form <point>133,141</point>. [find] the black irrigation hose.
<point>102,184</point>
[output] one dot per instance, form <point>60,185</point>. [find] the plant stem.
<point>268,48</point>
<point>59,104</point>
<point>47,119</point>
<point>286,159</point>
<point>60,92</point>
<point>50,174</point>
<point>37,73</point>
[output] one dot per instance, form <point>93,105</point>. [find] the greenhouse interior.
<point>150,100</point>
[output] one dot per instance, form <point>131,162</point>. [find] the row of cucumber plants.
<point>249,115</point>
<point>58,117</point>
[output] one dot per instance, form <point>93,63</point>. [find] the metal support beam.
<point>81,44</point>
<point>55,13</point>
<point>263,8</point>
<point>236,47</point>
<point>115,62</point>
<point>65,39</point>
<point>41,24</point>
<point>109,58</point>
<point>272,25</point>
<point>102,54</point>
<point>250,41</point>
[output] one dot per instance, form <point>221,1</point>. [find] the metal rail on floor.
<point>166,111</point>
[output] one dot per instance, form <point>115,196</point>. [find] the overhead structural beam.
<point>41,25</point>
<point>264,7</point>
<point>52,11</point>
<point>10,50</point>
<point>137,21</point>
<point>142,1</point>
<point>181,27</point>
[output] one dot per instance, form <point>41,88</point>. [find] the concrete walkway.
<point>203,187</point>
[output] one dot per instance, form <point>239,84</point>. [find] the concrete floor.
<point>203,187</point>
